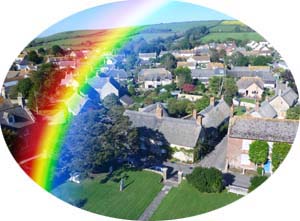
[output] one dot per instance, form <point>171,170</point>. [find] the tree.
<point>24,86</point>
<point>34,57</point>
<point>293,113</point>
<point>10,138</point>
<point>256,181</point>
<point>183,75</point>
<point>131,90</point>
<point>207,180</point>
<point>202,103</point>
<point>238,59</point>
<point>214,84</point>
<point>261,60</point>
<point>168,61</point>
<point>230,89</point>
<point>259,151</point>
<point>279,152</point>
<point>178,108</point>
<point>57,50</point>
<point>111,100</point>
<point>214,55</point>
<point>42,51</point>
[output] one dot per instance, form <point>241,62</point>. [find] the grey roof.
<point>245,82</point>
<point>117,73</point>
<point>266,110</point>
<point>214,116</point>
<point>22,117</point>
<point>290,96</point>
<point>176,131</point>
<point>266,76</point>
<point>152,108</point>
<point>98,82</point>
<point>125,99</point>
<point>154,74</point>
<point>147,55</point>
<point>273,130</point>
<point>207,73</point>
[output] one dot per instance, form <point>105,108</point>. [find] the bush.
<point>207,180</point>
<point>256,181</point>
<point>260,171</point>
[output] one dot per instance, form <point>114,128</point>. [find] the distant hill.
<point>219,31</point>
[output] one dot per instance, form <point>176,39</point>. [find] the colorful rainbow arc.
<point>51,137</point>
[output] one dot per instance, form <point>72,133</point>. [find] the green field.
<point>103,197</point>
<point>186,201</point>
<point>223,36</point>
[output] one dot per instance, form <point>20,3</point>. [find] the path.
<point>155,203</point>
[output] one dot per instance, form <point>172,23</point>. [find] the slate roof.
<point>214,116</point>
<point>125,99</point>
<point>154,74</point>
<point>152,108</point>
<point>266,110</point>
<point>273,130</point>
<point>98,82</point>
<point>239,72</point>
<point>176,131</point>
<point>117,73</point>
<point>207,73</point>
<point>22,117</point>
<point>288,95</point>
<point>245,82</point>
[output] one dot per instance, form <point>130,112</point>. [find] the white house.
<point>152,78</point>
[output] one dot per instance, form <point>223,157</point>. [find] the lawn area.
<point>239,111</point>
<point>223,36</point>
<point>186,201</point>
<point>247,100</point>
<point>104,197</point>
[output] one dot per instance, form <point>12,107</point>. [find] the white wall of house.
<point>155,84</point>
<point>280,106</point>
<point>108,89</point>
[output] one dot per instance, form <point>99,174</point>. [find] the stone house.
<point>152,78</point>
<point>252,87</point>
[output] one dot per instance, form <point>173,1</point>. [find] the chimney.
<point>222,97</point>
<point>279,92</point>
<point>159,111</point>
<point>3,92</point>
<point>212,101</point>
<point>232,110</point>
<point>21,100</point>
<point>194,113</point>
<point>267,98</point>
<point>256,105</point>
<point>199,120</point>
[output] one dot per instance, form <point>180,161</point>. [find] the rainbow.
<point>48,139</point>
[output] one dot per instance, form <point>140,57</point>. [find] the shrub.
<point>260,171</point>
<point>256,181</point>
<point>206,179</point>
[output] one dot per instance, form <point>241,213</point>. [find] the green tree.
<point>279,152</point>
<point>24,86</point>
<point>202,103</point>
<point>230,89</point>
<point>261,60</point>
<point>131,90</point>
<point>256,181</point>
<point>258,152</point>
<point>214,84</point>
<point>10,138</point>
<point>42,51</point>
<point>34,57</point>
<point>293,113</point>
<point>110,101</point>
<point>168,61</point>
<point>183,75</point>
<point>208,180</point>
<point>57,50</point>
<point>214,55</point>
<point>178,108</point>
<point>238,59</point>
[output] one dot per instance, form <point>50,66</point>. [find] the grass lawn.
<point>239,111</point>
<point>104,197</point>
<point>186,201</point>
<point>248,100</point>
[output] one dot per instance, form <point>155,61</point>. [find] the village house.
<point>118,74</point>
<point>215,65</point>
<point>190,65</point>
<point>152,78</point>
<point>283,100</point>
<point>243,130</point>
<point>264,110</point>
<point>200,60</point>
<point>204,75</point>
<point>147,56</point>
<point>262,72</point>
<point>252,87</point>
<point>183,53</point>
<point>179,134</point>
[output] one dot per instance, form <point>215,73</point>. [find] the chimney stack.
<point>256,105</point>
<point>212,101</point>
<point>194,113</point>
<point>279,92</point>
<point>232,110</point>
<point>21,100</point>
<point>159,111</point>
<point>199,120</point>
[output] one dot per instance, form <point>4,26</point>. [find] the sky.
<point>121,14</point>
